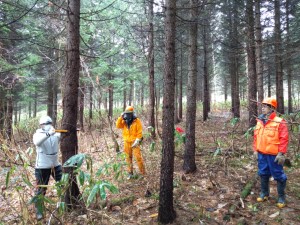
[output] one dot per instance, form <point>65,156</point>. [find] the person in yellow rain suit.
<point>132,136</point>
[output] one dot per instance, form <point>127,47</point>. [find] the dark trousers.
<point>43,175</point>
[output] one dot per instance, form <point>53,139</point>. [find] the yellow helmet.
<point>270,101</point>
<point>129,109</point>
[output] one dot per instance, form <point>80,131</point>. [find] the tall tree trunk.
<point>29,105</point>
<point>91,88</point>
<point>252,105</point>
<point>151,70</point>
<point>110,95</point>
<point>16,111</point>
<point>125,95</point>
<point>180,84</point>
<point>258,53</point>
<point>81,95</point>
<point>131,91</point>
<point>278,58</point>
<point>35,103</point>
<point>69,141</point>
<point>235,90</point>
<point>288,61</point>
<point>166,212</point>
<point>50,96</point>
<point>205,74</point>
<point>2,110</point>
<point>142,96</point>
<point>9,117</point>
<point>189,164</point>
<point>55,101</point>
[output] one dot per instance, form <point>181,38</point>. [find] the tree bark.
<point>252,86</point>
<point>288,61</point>
<point>258,53</point>
<point>91,88</point>
<point>189,164</point>
<point>166,212</point>
<point>110,95</point>
<point>205,74</point>
<point>69,141</point>
<point>151,70</point>
<point>278,59</point>
<point>81,95</point>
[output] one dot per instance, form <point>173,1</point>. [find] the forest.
<point>195,72</point>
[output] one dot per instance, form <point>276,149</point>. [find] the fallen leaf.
<point>153,215</point>
<point>274,214</point>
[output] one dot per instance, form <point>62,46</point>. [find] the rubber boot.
<point>39,206</point>
<point>281,196</point>
<point>264,186</point>
<point>39,211</point>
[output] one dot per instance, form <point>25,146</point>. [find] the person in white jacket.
<point>46,141</point>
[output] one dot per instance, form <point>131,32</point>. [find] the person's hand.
<point>51,131</point>
<point>255,155</point>
<point>280,158</point>
<point>135,143</point>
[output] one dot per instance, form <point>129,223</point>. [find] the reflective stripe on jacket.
<point>272,137</point>
<point>135,131</point>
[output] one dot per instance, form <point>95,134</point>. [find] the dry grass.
<point>200,198</point>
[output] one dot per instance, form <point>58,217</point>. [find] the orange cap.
<point>270,101</point>
<point>129,109</point>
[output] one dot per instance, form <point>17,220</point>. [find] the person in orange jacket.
<point>270,144</point>
<point>132,136</point>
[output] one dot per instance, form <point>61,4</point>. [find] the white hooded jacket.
<point>46,149</point>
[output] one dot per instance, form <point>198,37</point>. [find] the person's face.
<point>46,127</point>
<point>266,109</point>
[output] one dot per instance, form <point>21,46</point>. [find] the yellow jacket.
<point>135,131</point>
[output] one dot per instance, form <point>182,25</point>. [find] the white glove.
<point>280,158</point>
<point>135,143</point>
<point>51,131</point>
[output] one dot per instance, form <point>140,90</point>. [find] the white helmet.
<point>45,120</point>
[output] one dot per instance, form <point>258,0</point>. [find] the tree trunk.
<point>16,111</point>
<point>35,103</point>
<point>234,61</point>
<point>50,96</point>
<point>151,71</point>
<point>69,141</point>
<point>189,164</point>
<point>166,212</point>
<point>9,117</point>
<point>205,75</point>
<point>55,91</point>
<point>91,103</point>
<point>124,95</point>
<point>288,61</point>
<point>131,91</point>
<point>180,85</point>
<point>278,58</point>
<point>252,105</point>
<point>110,96</point>
<point>81,95</point>
<point>258,52</point>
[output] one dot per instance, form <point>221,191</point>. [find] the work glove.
<point>51,132</point>
<point>280,158</point>
<point>255,155</point>
<point>135,143</point>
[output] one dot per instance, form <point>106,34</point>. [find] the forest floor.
<point>224,167</point>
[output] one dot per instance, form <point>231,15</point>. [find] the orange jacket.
<point>272,137</point>
<point>135,131</point>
